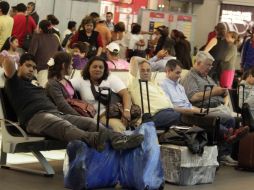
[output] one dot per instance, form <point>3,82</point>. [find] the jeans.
<point>164,119</point>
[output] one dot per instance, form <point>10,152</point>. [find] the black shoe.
<point>127,142</point>
<point>103,137</point>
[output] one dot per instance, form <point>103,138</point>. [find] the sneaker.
<point>101,140</point>
<point>238,134</point>
<point>228,161</point>
<point>127,141</point>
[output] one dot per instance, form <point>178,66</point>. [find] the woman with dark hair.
<point>118,37</point>
<point>163,39</point>
<point>43,46</point>
<point>9,49</point>
<point>87,34</point>
<point>54,21</point>
<point>95,75</point>
<point>58,88</point>
<point>182,48</point>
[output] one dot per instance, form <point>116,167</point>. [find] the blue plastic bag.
<point>141,168</point>
<point>89,169</point>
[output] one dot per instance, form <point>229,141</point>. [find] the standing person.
<point>216,47</point>
<point>227,66</point>
<point>109,23</point>
<point>163,39</point>
<point>87,34</point>
<point>68,32</point>
<point>22,25</point>
<point>13,11</point>
<point>247,61</point>
<point>182,48</point>
<point>136,42</point>
<point>32,12</point>
<point>54,22</point>
<point>43,46</point>
<point>6,22</point>
<point>118,37</point>
<point>10,49</point>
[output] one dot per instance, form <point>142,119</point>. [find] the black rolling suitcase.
<point>146,117</point>
<point>210,123</point>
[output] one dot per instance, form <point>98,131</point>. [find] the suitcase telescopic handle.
<point>147,93</point>
<point>238,91</point>
<point>209,100</point>
<point>107,107</point>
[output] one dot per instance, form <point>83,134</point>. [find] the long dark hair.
<point>60,58</point>
<point>86,74</point>
<point>7,43</point>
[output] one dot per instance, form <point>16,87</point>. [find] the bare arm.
<point>211,44</point>
<point>126,104</point>
<point>8,65</point>
<point>217,91</point>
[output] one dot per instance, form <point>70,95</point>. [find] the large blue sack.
<point>89,169</point>
<point>141,168</point>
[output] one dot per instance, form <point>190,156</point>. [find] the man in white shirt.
<point>6,22</point>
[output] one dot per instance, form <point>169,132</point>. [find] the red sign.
<point>170,18</point>
<point>157,15</point>
<point>184,18</point>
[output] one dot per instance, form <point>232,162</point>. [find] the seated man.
<point>161,106</point>
<point>176,92</point>
<point>38,115</point>
<point>194,83</point>
<point>159,61</point>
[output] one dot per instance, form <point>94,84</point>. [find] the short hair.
<point>136,29</point>
<point>32,4</point>
<point>26,57</point>
<point>71,24</point>
<point>163,30</point>
<point>7,43</point>
<point>202,56</point>
<point>53,19</point>
<point>109,13</point>
<point>60,58</point>
<point>119,27</point>
<point>86,20</point>
<point>94,15</point>
<point>82,46</point>
<point>4,6</point>
<point>21,7</point>
<point>169,47</point>
<point>173,63</point>
<point>247,73</point>
<point>86,74</point>
<point>44,25</point>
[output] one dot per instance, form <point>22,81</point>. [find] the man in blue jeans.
<point>162,109</point>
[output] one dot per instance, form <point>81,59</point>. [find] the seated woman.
<point>95,75</point>
<point>114,63</point>
<point>58,88</point>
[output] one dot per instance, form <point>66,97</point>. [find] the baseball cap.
<point>113,47</point>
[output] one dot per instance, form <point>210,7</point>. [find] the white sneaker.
<point>228,161</point>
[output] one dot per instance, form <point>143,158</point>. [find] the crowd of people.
<point>93,50</point>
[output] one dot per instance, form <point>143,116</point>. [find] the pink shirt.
<point>69,89</point>
<point>119,64</point>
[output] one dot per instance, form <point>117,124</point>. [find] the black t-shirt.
<point>92,40</point>
<point>26,98</point>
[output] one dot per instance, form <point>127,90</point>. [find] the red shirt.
<point>19,27</point>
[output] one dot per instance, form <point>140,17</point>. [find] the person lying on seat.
<point>162,109</point>
<point>38,115</point>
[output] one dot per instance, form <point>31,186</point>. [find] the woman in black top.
<point>87,34</point>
